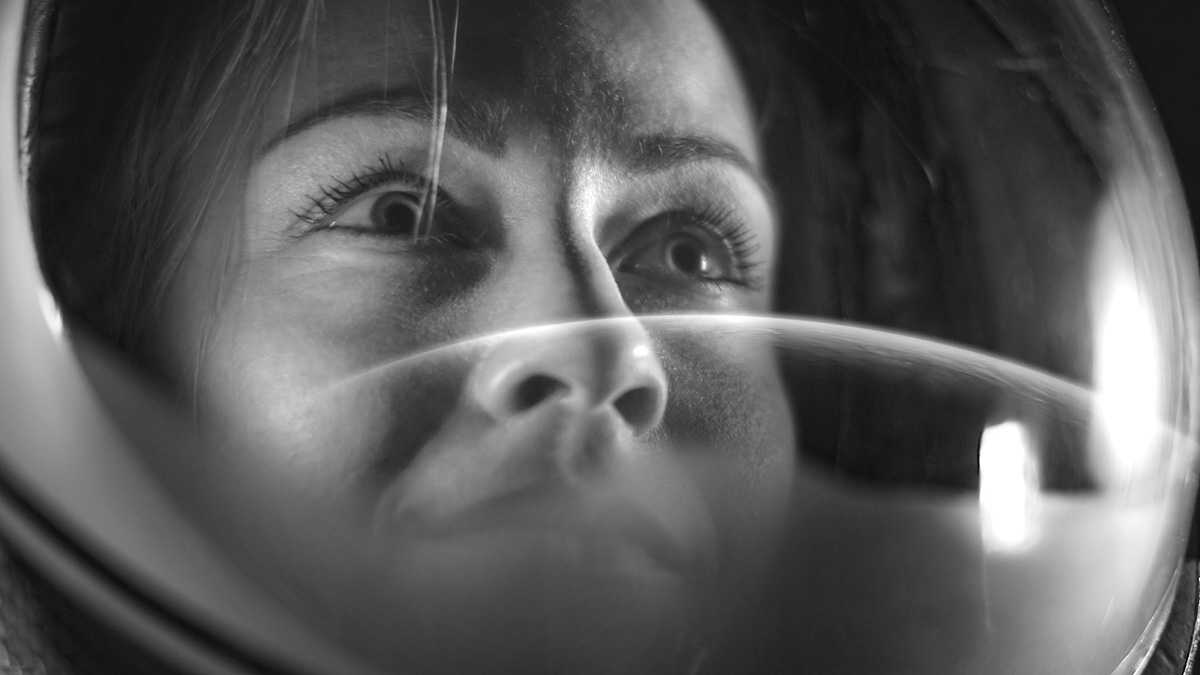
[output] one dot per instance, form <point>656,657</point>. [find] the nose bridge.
<point>558,271</point>
<point>575,341</point>
<point>569,282</point>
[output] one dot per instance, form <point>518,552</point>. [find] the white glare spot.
<point>50,313</point>
<point>1127,380</point>
<point>1008,488</point>
<point>641,352</point>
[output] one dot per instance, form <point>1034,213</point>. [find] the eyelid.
<point>332,198</point>
<point>718,221</point>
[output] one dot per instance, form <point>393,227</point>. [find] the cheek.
<point>727,397</point>
<point>311,389</point>
<point>728,407</point>
<point>727,403</point>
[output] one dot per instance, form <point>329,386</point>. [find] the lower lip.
<point>565,547</point>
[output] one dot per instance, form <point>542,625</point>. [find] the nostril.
<point>536,389</point>
<point>638,407</point>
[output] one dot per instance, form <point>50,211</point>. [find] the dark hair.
<point>132,87</point>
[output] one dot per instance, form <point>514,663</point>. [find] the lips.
<point>569,485</point>
<point>588,529</point>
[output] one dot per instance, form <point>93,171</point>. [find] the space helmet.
<point>366,336</point>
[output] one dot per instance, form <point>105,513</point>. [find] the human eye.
<point>384,201</point>
<point>706,245</point>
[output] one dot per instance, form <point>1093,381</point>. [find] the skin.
<point>577,498</point>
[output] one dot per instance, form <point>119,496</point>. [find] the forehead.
<point>581,67</point>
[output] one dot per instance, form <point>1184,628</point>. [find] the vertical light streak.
<point>1128,378</point>
<point>1008,488</point>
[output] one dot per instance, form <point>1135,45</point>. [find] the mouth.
<point>482,489</point>
<point>571,530</point>
<point>493,492</point>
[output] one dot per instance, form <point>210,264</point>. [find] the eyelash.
<point>743,245</point>
<point>722,221</point>
<point>325,204</point>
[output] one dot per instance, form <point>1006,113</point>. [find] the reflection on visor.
<point>607,336</point>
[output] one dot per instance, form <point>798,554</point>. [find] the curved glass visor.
<point>600,336</point>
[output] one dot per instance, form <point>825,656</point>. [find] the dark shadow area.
<point>1162,36</point>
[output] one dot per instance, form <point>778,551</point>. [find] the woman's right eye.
<point>388,201</point>
<point>396,213</point>
<point>390,213</point>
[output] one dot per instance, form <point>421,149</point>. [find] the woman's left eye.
<point>691,255</point>
<point>690,247</point>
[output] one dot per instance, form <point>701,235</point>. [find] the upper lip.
<point>571,514</point>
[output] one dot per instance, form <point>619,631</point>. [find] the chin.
<point>520,603</point>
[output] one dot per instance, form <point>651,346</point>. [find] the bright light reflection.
<point>1127,380</point>
<point>1008,488</point>
<point>50,313</point>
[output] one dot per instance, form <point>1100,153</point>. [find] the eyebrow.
<point>660,152</point>
<point>476,121</point>
<point>480,122</point>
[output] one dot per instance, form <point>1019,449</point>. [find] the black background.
<point>1164,36</point>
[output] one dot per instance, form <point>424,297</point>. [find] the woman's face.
<point>600,162</point>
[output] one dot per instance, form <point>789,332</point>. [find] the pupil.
<point>687,257</point>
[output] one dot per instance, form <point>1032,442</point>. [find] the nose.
<point>607,366</point>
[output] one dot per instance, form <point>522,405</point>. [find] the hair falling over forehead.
<point>187,99</point>
<point>443,27</point>
<point>445,47</point>
<point>285,33</point>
